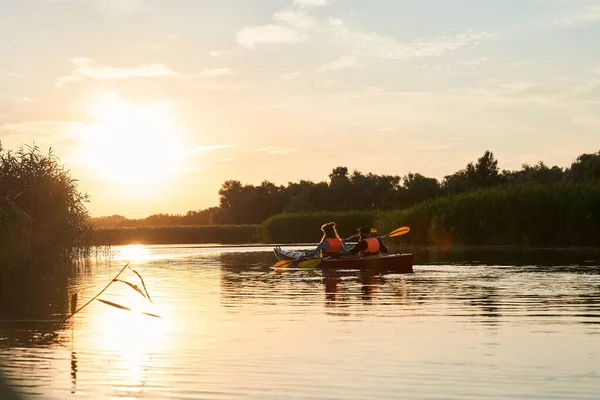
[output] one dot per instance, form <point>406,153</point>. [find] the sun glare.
<point>133,144</point>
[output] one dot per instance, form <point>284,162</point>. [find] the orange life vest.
<point>335,246</point>
<point>372,247</point>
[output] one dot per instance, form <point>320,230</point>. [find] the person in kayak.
<point>331,245</point>
<point>367,245</point>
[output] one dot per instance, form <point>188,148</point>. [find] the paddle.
<point>286,263</point>
<point>395,233</point>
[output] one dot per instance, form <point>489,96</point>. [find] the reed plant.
<point>42,213</point>
<point>306,227</point>
<point>544,215</point>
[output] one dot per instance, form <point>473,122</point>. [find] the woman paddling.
<point>331,245</point>
<point>367,245</point>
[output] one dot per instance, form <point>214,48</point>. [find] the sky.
<point>153,104</point>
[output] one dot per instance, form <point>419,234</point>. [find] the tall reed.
<point>42,212</point>
<point>306,227</point>
<point>545,215</point>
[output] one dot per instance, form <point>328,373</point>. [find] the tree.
<point>586,167</point>
<point>419,188</point>
<point>485,173</point>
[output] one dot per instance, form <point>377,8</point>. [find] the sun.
<point>133,144</point>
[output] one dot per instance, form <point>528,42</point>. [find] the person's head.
<point>364,232</point>
<point>329,230</point>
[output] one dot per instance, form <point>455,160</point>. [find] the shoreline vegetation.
<point>43,217</point>
<point>537,216</point>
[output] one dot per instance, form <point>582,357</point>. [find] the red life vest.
<point>372,247</point>
<point>335,246</point>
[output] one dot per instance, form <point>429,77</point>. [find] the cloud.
<point>11,74</point>
<point>580,16</point>
<point>268,34</point>
<point>44,127</point>
<point>25,99</point>
<point>106,5</point>
<point>296,18</point>
<point>344,62</point>
<point>87,68</point>
<point>276,150</point>
<point>386,47</point>
<point>216,72</point>
<point>291,75</point>
<point>204,149</point>
<point>596,70</point>
<point>310,3</point>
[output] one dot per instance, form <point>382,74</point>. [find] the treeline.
<point>540,215</point>
<point>344,191</point>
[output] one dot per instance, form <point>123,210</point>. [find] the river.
<point>221,324</point>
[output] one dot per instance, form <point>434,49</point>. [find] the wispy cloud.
<point>387,47</point>
<point>596,70</point>
<point>290,75</point>
<point>106,5</point>
<point>43,127</point>
<point>204,149</point>
<point>344,62</point>
<point>25,99</point>
<point>87,68</point>
<point>268,34</point>
<point>11,74</point>
<point>580,16</point>
<point>276,150</point>
<point>310,3</point>
<point>296,18</point>
<point>216,72</point>
<point>474,63</point>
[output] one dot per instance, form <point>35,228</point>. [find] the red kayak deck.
<point>399,263</point>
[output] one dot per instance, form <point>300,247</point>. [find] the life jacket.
<point>335,247</point>
<point>372,247</point>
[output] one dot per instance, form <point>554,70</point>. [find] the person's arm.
<point>360,246</point>
<point>322,246</point>
<point>382,247</point>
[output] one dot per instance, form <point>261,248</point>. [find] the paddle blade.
<point>310,263</point>
<point>400,231</point>
<point>283,263</point>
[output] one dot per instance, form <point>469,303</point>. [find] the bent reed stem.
<point>96,296</point>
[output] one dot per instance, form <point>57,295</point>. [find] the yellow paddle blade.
<point>283,263</point>
<point>373,230</point>
<point>400,231</point>
<point>309,263</point>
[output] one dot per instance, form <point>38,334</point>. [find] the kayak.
<point>395,262</point>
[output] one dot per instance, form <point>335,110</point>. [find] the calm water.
<point>464,325</point>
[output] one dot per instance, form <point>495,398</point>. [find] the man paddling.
<point>367,245</point>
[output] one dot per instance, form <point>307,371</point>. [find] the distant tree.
<point>485,173</point>
<point>538,173</point>
<point>418,188</point>
<point>586,167</point>
<point>341,189</point>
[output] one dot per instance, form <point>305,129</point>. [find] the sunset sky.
<point>153,104</point>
